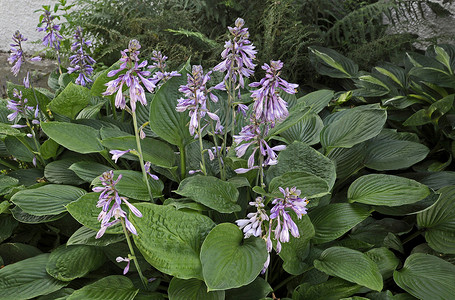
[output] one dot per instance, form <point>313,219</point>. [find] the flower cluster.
<point>238,56</point>
<point>52,38</point>
<point>196,94</point>
<point>252,226</point>
<point>116,154</point>
<point>268,104</point>
<point>81,62</point>
<point>131,78</point>
<point>17,57</point>
<point>108,195</point>
<point>22,110</point>
<point>159,62</point>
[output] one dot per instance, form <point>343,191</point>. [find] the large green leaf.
<point>88,170</point>
<point>27,279</point>
<point>307,130</point>
<point>99,86</point>
<point>310,185</point>
<point>348,160</point>
<point>333,289</point>
<point>76,137</point>
<point>350,265</point>
<point>87,236</point>
<point>294,252</point>
<point>212,192</point>
<point>333,220</point>
<point>7,183</point>
<point>229,261</point>
<point>7,225</point>
<point>58,172</point>
<point>8,130</point>
<point>299,157</point>
<point>191,289</point>
<point>170,240</point>
<point>24,217</point>
<point>157,152</point>
<point>409,209</point>
<point>385,259</point>
<point>29,94</point>
<point>389,190</point>
<point>111,287</point>
<point>84,210</point>
<point>71,100</point>
<point>426,277</point>
<point>70,262</point>
<point>331,63</point>
<point>47,200</point>
<point>133,186</point>
<point>439,222</point>
<point>165,121</point>
<point>353,126</point>
<point>393,155</point>
<point>317,100</point>
<point>256,290</point>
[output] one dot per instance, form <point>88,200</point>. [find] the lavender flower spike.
<point>81,62</point>
<point>252,226</point>
<point>52,38</point>
<point>17,55</point>
<point>159,62</point>
<point>268,105</point>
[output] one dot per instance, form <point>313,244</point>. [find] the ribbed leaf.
<point>353,127</point>
<point>191,289</point>
<point>7,183</point>
<point>333,289</point>
<point>85,141</point>
<point>70,262</point>
<point>348,160</point>
<point>409,209</point>
<point>389,190</point>
<point>47,200</point>
<point>350,265</point>
<point>58,172</point>
<point>385,259</point>
<point>229,261</point>
<point>27,279</point>
<point>86,236</point>
<point>70,101</point>
<point>24,217</point>
<point>307,130</point>
<point>170,240</point>
<point>426,277</point>
<point>333,220</point>
<point>310,185</point>
<point>317,100</point>
<point>212,192</point>
<point>88,170</point>
<point>256,290</point>
<point>111,287</point>
<point>439,222</point>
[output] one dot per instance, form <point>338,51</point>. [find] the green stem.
<point>139,150</point>
<point>218,153</point>
<point>261,169</point>
<point>37,144</point>
<point>287,280</point>
<point>412,236</point>
<point>130,245</point>
<point>182,162</point>
<point>21,139</point>
<point>201,146</point>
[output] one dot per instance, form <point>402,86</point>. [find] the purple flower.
<point>147,166</point>
<point>268,105</point>
<point>133,78</point>
<point>238,56</point>
<point>159,62</point>
<point>252,226</point>
<point>196,94</point>
<point>116,154</point>
<point>21,109</point>
<point>121,259</point>
<point>52,38</point>
<point>81,62</point>
<point>17,56</point>
<point>108,195</point>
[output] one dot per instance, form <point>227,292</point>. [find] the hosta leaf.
<point>426,277</point>
<point>331,63</point>
<point>84,210</point>
<point>307,130</point>
<point>7,225</point>
<point>229,261</point>
<point>350,265</point>
<point>58,172</point>
<point>299,157</point>
<point>353,127</point>
<point>30,94</point>
<point>310,185</point>
<point>170,240</point>
<point>85,141</point>
<point>385,259</point>
<point>389,190</point>
<point>256,290</point>
<point>70,262</point>
<point>393,155</point>
<point>191,289</point>
<point>333,289</point>
<point>212,192</point>
<point>165,121</point>
<point>132,185</point>
<point>317,100</point>
<point>333,220</point>
<point>27,279</point>
<point>8,130</point>
<point>86,236</point>
<point>24,217</point>
<point>348,160</point>
<point>70,101</point>
<point>439,222</point>
<point>157,152</point>
<point>7,183</point>
<point>112,287</point>
<point>88,170</point>
<point>409,209</point>
<point>47,200</point>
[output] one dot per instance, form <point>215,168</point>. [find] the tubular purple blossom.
<point>17,56</point>
<point>252,226</point>
<point>81,62</point>
<point>159,62</point>
<point>52,38</point>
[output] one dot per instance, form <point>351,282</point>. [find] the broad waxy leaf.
<point>154,151</point>
<point>58,172</point>
<point>111,287</point>
<point>385,259</point>
<point>256,290</point>
<point>88,170</point>
<point>348,160</point>
<point>317,100</point>
<point>170,240</point>
<point>307,130</point>
<point>165,121</point>
<point>331,63</point>
<point>7,183</point>
<point>353,126</point>
<point>333,220</point>
<point>426,277</point>
<point>7,225</point>
<point>229,261</point>
<point>28,93</point>
<point>389,190</point>
<point>310,185</point>
<point>8,130</point>
<point>71,100</point>
<point>192,289</point>
<point>85,141</point>
<point>439,222</point>
<point>47,200</point>
<point>333,289</point>
<point>70,262</point>
<point>86,236</point>
<point>350,265</point>
<point>27,279</point>
<point>212,192</point>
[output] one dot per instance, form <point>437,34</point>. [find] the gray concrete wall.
<point>20,15</point>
